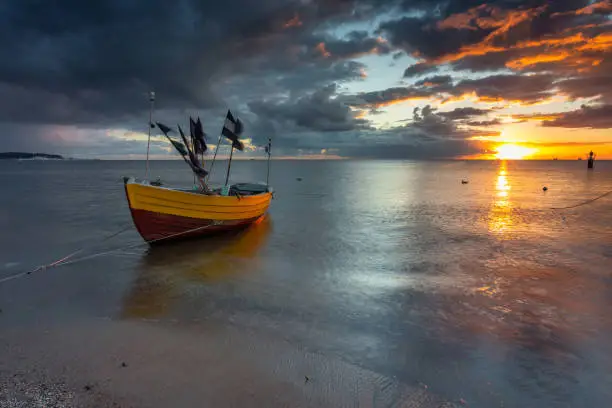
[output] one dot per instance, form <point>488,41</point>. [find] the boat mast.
<point>229,165</point>
<point>268,148</point>
<point>152,102</point>
<point>214,157</point>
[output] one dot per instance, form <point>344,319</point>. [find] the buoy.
<point>545,188</point>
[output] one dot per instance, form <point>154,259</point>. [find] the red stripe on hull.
<point>154,226</point>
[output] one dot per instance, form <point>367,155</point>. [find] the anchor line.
<point>66,259</point>
<point>582,203</point>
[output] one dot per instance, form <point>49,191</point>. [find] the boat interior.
<point>238,189</point>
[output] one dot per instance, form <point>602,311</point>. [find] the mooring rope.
<point>582,203</point>
<point>66,259</point>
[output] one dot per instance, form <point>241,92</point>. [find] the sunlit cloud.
<point>293,22</point>
<point>322,51</point>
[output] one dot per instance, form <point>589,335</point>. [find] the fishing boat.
<point>162,213</point>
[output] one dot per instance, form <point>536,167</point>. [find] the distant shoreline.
<point>31,156</point>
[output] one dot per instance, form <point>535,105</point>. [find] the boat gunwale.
<point>249,209</point>
<point>149,198</point>
<point>145,183</point>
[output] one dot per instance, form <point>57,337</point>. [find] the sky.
<point>394,79</point>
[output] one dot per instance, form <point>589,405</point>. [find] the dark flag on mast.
<point>193,158</point>
<point>232,129</point>
<point>177,145</point>
<point>269,147</point>
<point>184,150</point>
<point>198,136</point>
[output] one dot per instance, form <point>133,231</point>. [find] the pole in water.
<point>229,165</point>
<point>591,160</point>
<point>152,101</point>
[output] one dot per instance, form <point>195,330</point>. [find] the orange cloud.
<point>552,41</point>
<point>540,117</point>
<point>361,114</point>
<point>558,48</point>
<point>486,99</point>
<point>501,20</point>
<point>294,22</point>
<point>604,6</point>
<point>557,51</point>
<point>523,62</point>
<point>321,48</point>
<point>483,17</point>
<point>602,42</point>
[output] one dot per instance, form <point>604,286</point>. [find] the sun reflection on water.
<point>500,216</point>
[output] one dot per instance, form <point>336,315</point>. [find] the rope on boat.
<point>66,259</point>
<point>583,203</point>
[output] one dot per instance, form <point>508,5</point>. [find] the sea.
<point>467,279</point>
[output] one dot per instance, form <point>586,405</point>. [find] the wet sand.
<point>105,363</point>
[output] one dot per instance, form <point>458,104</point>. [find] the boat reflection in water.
<point>165,271</point>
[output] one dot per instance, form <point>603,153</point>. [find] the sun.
<point>509,151</point>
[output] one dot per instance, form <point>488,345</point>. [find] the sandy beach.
<point>105,363</point>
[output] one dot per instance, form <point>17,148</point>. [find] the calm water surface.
<point>479,290</point>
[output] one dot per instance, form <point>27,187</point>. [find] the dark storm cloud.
<point>418,69</point>
<point>525,89</point>
<point>427,134</point>
<point>461,24</point>
<point>319,111</point>
<point>493,61</point>
<point>463,113</point>
<point>517,88</point>
<point>593,117</point>
<point>431,124</point>
<point>181,49</point>
<point>419,36</point>
<point>356,44</point>
<point>588,86</point>
<point>377,99</point>
<point>481,123</point>
<point>435,81</point>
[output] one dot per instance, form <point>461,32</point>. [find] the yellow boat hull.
<point>161,213</point>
